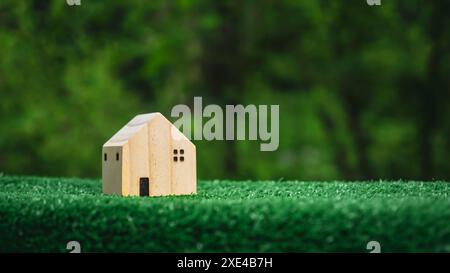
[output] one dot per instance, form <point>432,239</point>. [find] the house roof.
<point>133,126</point>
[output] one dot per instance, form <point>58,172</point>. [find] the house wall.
<point>111,170</point>
<point>135,161</point>
<point>184,177</point>
<point>160,145</point>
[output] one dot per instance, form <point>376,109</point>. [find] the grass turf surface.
<point>42,214</point>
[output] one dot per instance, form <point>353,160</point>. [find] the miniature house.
<point>149,157</point>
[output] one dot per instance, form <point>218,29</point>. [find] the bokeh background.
<point>364,92</point>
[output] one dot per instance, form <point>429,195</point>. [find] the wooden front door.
<point>144,187</point>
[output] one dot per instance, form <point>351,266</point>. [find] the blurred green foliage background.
<point>363,91</point>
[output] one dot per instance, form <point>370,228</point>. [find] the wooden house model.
<point>149,156</point>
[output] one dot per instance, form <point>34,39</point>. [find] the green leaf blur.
<point>364,91</point>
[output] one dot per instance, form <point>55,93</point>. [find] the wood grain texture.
<point>184,169</point>
<point>149,146</point>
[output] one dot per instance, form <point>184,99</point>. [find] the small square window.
<point>175,151</point>
<point>182,151</point>
<point>181,158</point>
<point>175,158</point>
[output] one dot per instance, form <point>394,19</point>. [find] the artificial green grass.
<point>42,214</point>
